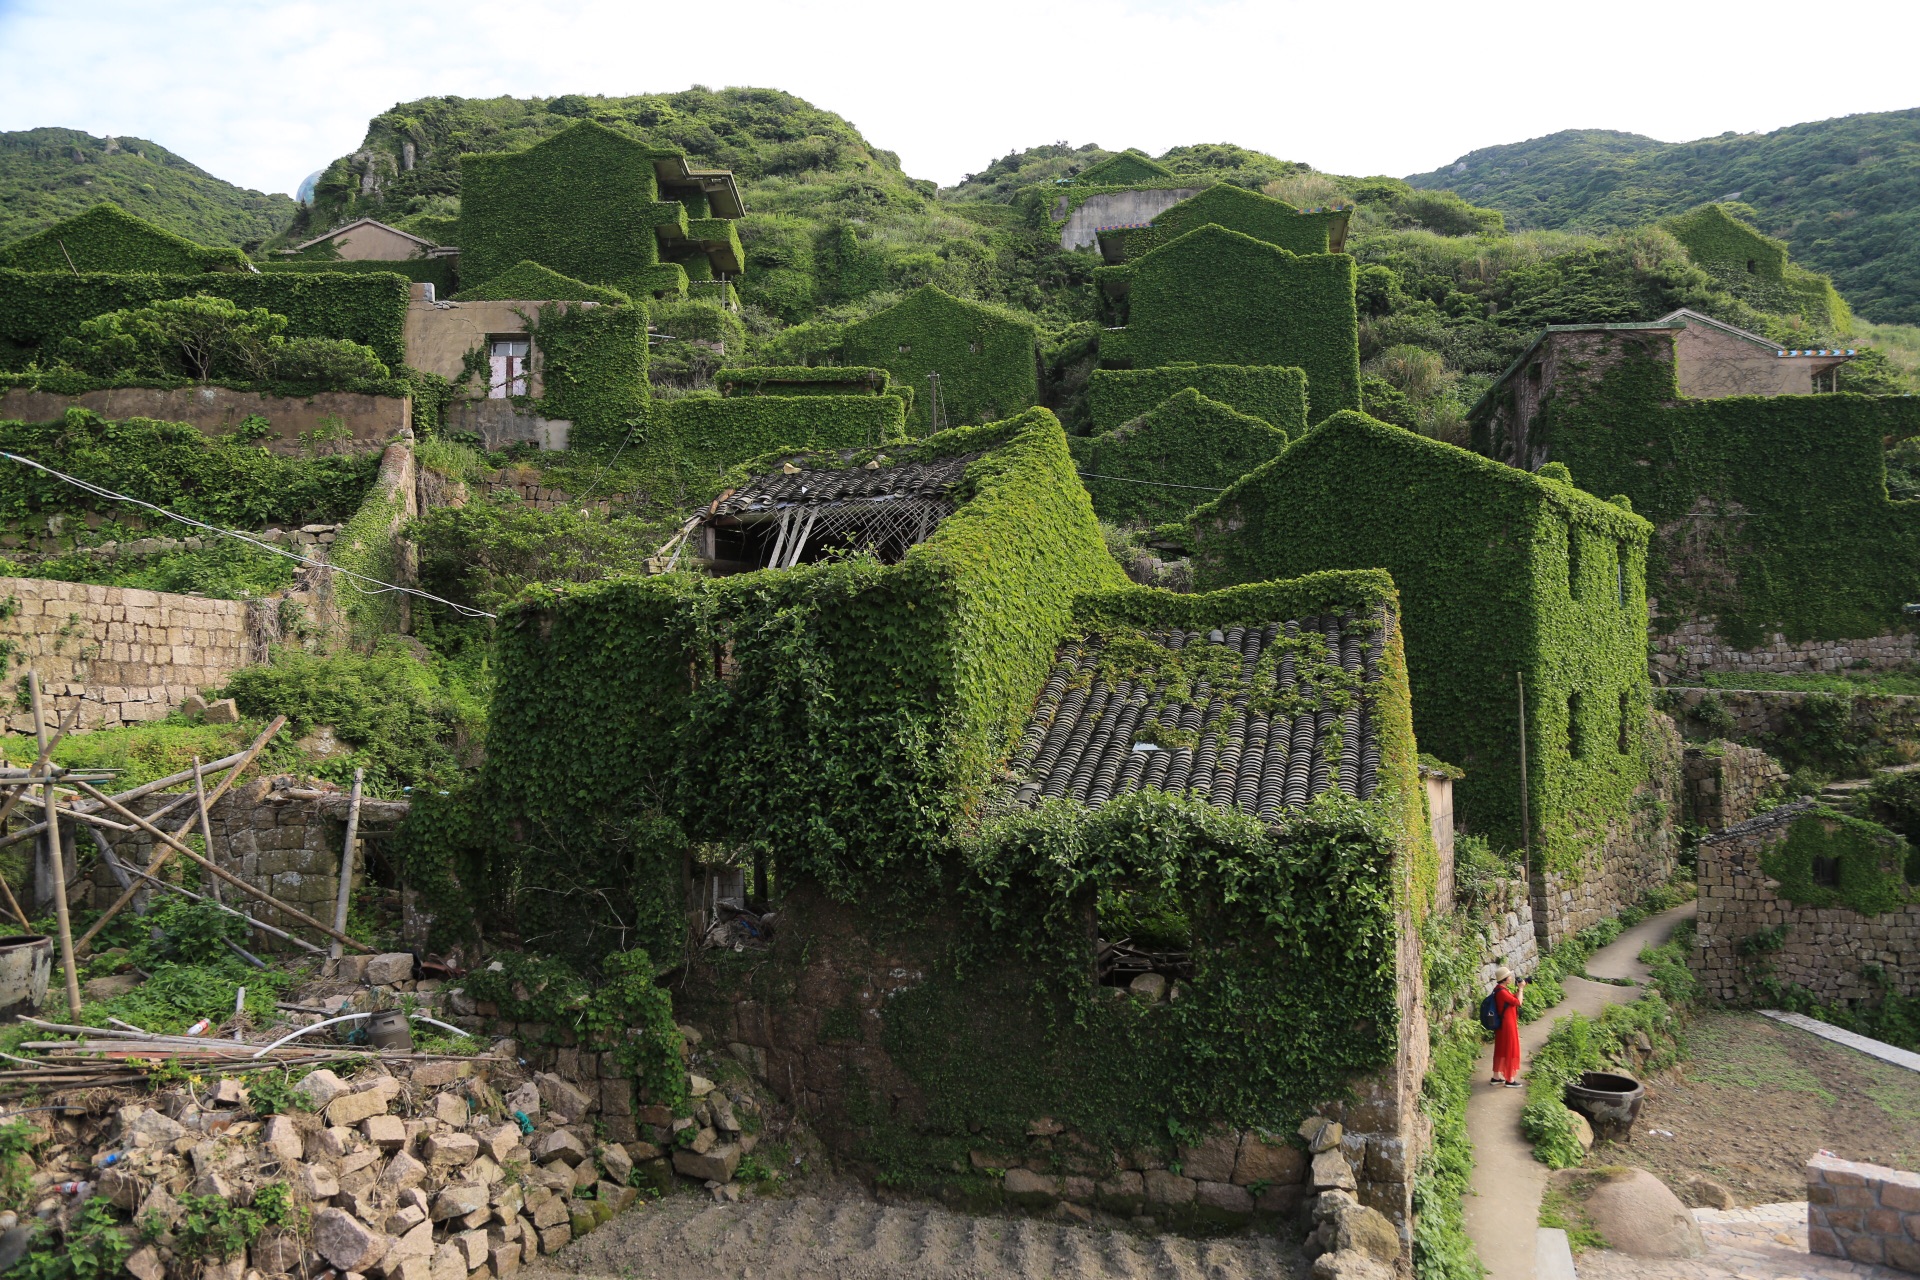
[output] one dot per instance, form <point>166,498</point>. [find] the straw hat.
<point>1502,974</point>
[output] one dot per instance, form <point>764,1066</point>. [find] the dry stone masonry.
<point>1694,648</point>
<point>1726,783</point>
<point>1824,949</point>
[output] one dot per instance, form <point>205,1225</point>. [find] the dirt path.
<point>853,1237</point>
<point>1503,1212</point>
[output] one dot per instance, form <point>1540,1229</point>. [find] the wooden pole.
<point>342,898</point>
<point>291,912</point>
<point>263,927</point>
<point>161,855</point>
<point>53,856</point>
<point>1526,817</point>
<point>206,825</point>
<point>40,765</point>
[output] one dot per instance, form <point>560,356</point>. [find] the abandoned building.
<point>1711,360</point>
<point>370,240</point>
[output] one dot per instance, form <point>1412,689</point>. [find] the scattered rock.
<point>388,1133</point>
<point>1636,1214</point>
<point>559,1145</point>
<point>1704,1193</point>
<point>525,1099</point>
<point>450,1109</point>
<point>109,986</point>
<point>228,1092</point>
<point>560,1096</point>
<point>402,1171</point>
<point>617,1163</point>
<point>451,1150</point>
<point>458,1200</point>
<point>1582,1129</point>
<point>370,1100</point>
<point>316,1181</point>
<point>1151,986</point>
<point>716,1165</point>
<point>282,1141</point>
<point>145,1263</point>
<point>225,711</point>
<point>391,967</point>
<point>1349,1264</point>
<point>320,1089</point>
<point>500,1143</point>
<point>699,1086</point>
<point>346,1242</point>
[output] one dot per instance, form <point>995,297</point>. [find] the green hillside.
<point>1844,193</point>
<point>50,174</point>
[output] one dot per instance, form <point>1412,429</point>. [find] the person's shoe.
<point>1513,1084</point>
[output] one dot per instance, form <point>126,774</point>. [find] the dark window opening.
<point>810,535</point>
<point>1751,264</point>
<point>1141,932</point>
<point>1620,575</point>
<point>1534,371</point>
<point>1573,563</point>
<point>1826,872</point>
<point>1625,710</point>
<point>1576,732</point>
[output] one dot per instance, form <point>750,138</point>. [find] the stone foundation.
<point>1726,783</point>
<point>1826,950</point>
<point>1863,1212</point>
<point>1755,714</point>
<point>1695,648</point>
<point>1638,851</point>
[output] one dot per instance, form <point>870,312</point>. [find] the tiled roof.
<point>820,488</point>
<point>1290,720</point>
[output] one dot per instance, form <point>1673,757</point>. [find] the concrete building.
<point>368,240</point>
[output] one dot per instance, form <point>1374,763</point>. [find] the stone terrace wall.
<point>1825,949</point>
<point>1726,782</point>
<point>1695,648</point>
<point>280,838</point>
<point>330,421</point>
<point>1510,936</point>
<point>1863,1212</point>
<point>129,656</point>
<point>1758,713</point>
<point>1638,850</point>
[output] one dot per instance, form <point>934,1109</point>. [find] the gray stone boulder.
<point>1637,1215</point>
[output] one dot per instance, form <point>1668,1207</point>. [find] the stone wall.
<point>1694,648</point>
<point>1507,916</point>
<point>1863,1212</point>
<point>1769,713</point>
<point>281,838</point>
<point>1638,850</point>
<point>128,656</point>
<point>329,422</point>
<point>1825,949</point>
<point>1726,783</point>
<point>813,1027</point>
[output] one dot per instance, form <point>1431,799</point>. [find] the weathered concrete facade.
<point>1115,209</point>
<point>327,422</point>
<point>1825,950</point>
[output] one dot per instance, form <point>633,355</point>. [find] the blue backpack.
<point>1490,1012</point>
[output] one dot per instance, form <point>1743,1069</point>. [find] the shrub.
<point>204,338</point>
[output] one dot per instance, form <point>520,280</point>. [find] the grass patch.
<point>1756,1065</point>
<point>1564,1206</point>
<point>1894,682</point>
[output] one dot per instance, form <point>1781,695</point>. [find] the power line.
<point>1162,484</point>
<point>384,587</point>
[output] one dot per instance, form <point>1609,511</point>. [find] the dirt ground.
<point>1756,1098</point>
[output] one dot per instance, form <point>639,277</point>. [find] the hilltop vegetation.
<point>50,174</point>
<point>1844,193</point>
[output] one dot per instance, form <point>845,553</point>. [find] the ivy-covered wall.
<point>584,202</point>
<point>1772,511</point>
<point>39,308</point>
<point>988,360</point>
<point>593,370</point>
<point>534,283</point>
<point>1237,209</point>
<point>1277,396</point>
<point>108,238</point>
<point>1711,234</point>
<point>802,380</point>
<point>708,434</point>
<point>857,719</point>
<point>1172,458</point>
<point>1500,572</point>
<point>442,273</point>
<point>1219,297</point>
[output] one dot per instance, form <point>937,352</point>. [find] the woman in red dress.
<point>1506,1041</point>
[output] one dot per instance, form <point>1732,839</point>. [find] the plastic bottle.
<point>200,1027</point>
<point>82,1189</point>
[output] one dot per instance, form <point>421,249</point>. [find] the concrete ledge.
<point>1552,1255</point>
<point>1827,1031</point>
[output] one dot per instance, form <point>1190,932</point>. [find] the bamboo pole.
<point>160,855</point>
<point>46,754</point>
<point>343,897</point>
<point>292,912</point>
<point>206,825</point>
<point>60,913</point>
<point>191,896</point>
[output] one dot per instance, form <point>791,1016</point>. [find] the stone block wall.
<point>1863,1212</point>
<point>1694,648</point>
<point>1726,783</point>
<point>1637,851</point>
<point>128,656</point>
<point>813,1028</point>
<point>1757,713</point>
<point>1825,949</point>
<point>329,421</point>
<point>281,838</point>
<point>1510,938</point>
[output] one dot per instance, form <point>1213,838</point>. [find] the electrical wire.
<point>466,611</point>
<point>1158,484</point>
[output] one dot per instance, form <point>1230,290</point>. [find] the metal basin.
<point>26,962</point>
<point>1610,1101</point>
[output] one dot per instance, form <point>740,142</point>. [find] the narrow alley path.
<point>1503,1210</point>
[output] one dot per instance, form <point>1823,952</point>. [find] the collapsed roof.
<point>797,516</point>
<point>1255,718</point>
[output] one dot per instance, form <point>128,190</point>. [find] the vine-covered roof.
<point>802,487</point>
<point>1255,718</point>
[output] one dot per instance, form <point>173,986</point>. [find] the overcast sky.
<point>262,93</point>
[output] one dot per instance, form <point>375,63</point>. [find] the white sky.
<point>262,93</point>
